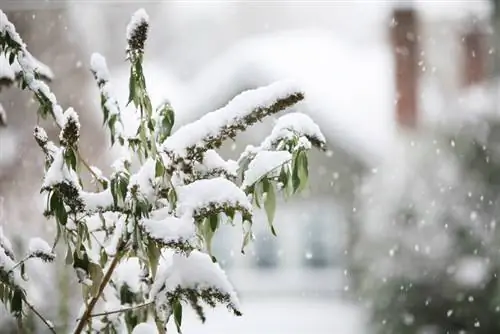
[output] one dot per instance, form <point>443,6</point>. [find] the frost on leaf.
<point>207,197</point>
<point>39,248</point>
<point>193,279</point>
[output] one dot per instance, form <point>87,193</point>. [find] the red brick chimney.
<point>475,54</point>
<point>404,38</point>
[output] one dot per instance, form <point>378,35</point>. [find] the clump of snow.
<point>170,229</point>
<point>101,73</point>
<point>59,172</point>
<point>212,161</point>
<point>211,124</point>
<point>202,194</point>
<point>97,201</point>
<point>128,273</point>
<point>195,271</point>
<point>99,67</point>
<point>116,237</point>
<point>138,18</point>
<point>294,124</point>
<point>38,247</point>
<point>143,180</point>
<point>145,328</point>
<point>6,245</point>
<point>7,71</point>
<point>263,163</point>
<point>471,271</point>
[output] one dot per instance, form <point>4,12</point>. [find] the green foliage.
<point>104,230</point>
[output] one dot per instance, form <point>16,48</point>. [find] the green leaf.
<point>257,192</point>
<point>177,308</point>
<point>58,235</point>
<point>153,257</point>
<point>16,303</point>
<point>302,170</point>
<point>114,192</point>
<point>69,256</point>
<point>96,276</point>
<point>131,87</point>
<point>159,169</point>
<point>61,214</point>
<point>246,240</point>
<point>214,222</point>
<point>208,234</point>
<point>12,57</point>
<point>270,205</point>
<point>70,158</point>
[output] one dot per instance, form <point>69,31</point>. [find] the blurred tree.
<point>429,247</point>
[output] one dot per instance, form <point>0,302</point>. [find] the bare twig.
<point>88,311</point>
<point>121,310</point>
<point>49,325</point>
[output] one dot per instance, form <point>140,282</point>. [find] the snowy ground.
<point>282,315</point>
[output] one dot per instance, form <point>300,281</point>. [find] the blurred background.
<point>397,233</point>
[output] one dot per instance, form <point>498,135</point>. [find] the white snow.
<point>128,272</point>
<point>262,164</point>
<point>116,237</point>
<point>7,27</point>
<point>212,161</point>
<point>38,245</point>
<point>194,271</point>
<point>99,67</point>
<point>6,70</point>
<point>6,244</point>
<point>144,179</point>
<point>11,71</point>
<point>138,18</point>
<point>145,328</point>
<point>170,229</point>
<point>203,193</point>
<point>293,124</point>
<point>59,172</point>
<point>208,126</point>
<point>97,201</point>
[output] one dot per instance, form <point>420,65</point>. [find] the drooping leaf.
<point>177,309</point>
<point>270,204</point>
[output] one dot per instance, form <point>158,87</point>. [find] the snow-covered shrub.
<point>140,243</point>
<point>428,254</point>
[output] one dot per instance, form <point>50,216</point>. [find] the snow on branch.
<point>212,165</point>
<point>109,104</point>
<point>192,279</point>
<point>12,45</point>
<point>11,72</point>
<point>39,248</point>
<point>264,163</point>
<point>243,111</point>
<point>210,196</point>
<point>294,125</point>
<point>170,231</point>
